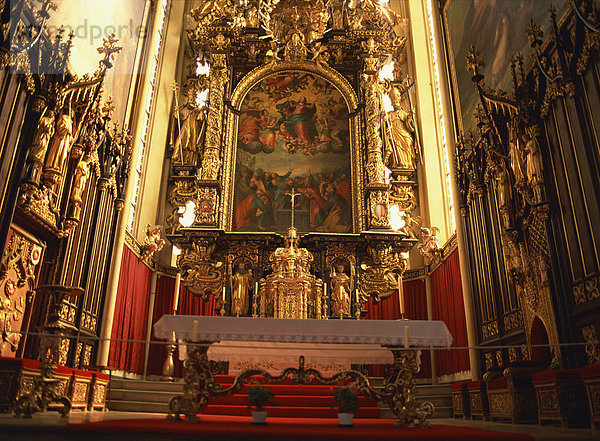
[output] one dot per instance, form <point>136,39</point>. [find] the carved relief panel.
<point>18,270</point>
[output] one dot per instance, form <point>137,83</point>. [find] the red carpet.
<point>228,427</point>
<point>313,400</point>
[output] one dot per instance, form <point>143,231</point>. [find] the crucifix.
<point>293,195</point>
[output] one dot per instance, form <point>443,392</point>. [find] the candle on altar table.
<point>324,289</point>
<point>255,288</point>
<point>195,331</point>
<point>406,345</point>
<point>223,292</point>
<point>176,293</point>
<point>401,296</point>
<point>356,291</point>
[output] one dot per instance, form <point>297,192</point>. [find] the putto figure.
<point>429,246</point>
<point>153,242</point>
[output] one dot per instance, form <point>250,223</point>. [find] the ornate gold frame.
<point>231,130</point>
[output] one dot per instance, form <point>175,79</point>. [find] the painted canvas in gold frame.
<point>293,132</point>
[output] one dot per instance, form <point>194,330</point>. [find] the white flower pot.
<point>259,417</point>
<point>345,419</point>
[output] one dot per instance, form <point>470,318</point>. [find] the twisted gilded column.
<point>377,190</point>
<point>209,188</point>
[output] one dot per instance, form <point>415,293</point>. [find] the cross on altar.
<point>293,195</point>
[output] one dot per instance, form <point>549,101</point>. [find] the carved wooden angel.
<point>153,242</point>
<point>429,246</point>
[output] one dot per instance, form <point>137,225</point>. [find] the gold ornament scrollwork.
<point>207,206</point>
<point>380,272</point>
<point>202,274</point>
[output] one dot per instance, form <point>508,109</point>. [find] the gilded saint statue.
<point>187,131</point>
<point>241,284</point>
<point>400,152</point>
<point>516,156</point>
<point>43,135</point>
<point>341,290</point>
<point>61,142</point>
<point>534,166</point>
<point>534,160</point>
<point>80,179</point>
<point>504,193</point>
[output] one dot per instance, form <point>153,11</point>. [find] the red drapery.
<point>415,302</point>
<point>131,314</point>
<point>448,306</point>
<point>189,304</point>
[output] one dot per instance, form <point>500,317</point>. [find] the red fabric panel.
<point>389,309</point>
<point>189,304</point>
<point>497,383</point>
<point>131,314</point>
<point>459,386</point>
<point>448,306</point>
<point>415,302</point>
<point>591,370</point>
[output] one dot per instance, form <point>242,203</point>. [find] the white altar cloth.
<point>422,333</point>
<point>275,357</point>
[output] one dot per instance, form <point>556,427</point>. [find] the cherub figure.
<point>429,246</point>
<point>153,242</point>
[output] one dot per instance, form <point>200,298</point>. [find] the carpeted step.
<point>291,400</point>
<point>290,389</point>
<point>229,379</point>
<point>288,412</point>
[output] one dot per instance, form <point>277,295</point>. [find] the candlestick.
<point>401,296</point>
<point>406,332</point>
<point>176,293</point>
<point>195,331</point>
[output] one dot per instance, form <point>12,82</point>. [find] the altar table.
<point>400,337</point>
<point>422,333</point>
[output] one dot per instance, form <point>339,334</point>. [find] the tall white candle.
<point>195,331</point>
<point>324,289</point>
<point>176,293</point>
<point>401,296</point>
<point>255,288</point>
<point>223,292</point>
<point>406,337</point>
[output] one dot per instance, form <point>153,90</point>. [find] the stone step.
<point>164,386</point>
<point>138,406</point>
<point>153,396</point>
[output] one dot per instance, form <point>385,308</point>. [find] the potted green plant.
<point>258,397</point>
<point>347,403</point>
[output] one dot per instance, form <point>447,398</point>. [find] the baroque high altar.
<point>287,118</point>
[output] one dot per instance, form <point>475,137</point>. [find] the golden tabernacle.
<point>291,291</point>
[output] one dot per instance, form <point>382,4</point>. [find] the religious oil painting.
<point>293,139</point>
<point>490,25</point>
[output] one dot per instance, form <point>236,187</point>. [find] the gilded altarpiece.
<point>290,130</point>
